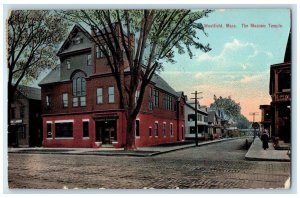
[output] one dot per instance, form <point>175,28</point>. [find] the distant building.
<point>280,91</point>
<point>81,107</point>
<point>266,118</point>
<point>214,124</point>
<point>25,118</point>
<point>202,120</point>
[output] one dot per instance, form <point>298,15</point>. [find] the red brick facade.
<point>95,124</point>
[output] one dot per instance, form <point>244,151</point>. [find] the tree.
<point>231,109</point>
<point>32,39</point>
<point>146,39</point>
<point>243,122</point>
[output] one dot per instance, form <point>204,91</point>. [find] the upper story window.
<point>167,102</point>
<point>65,99</point>
<point>79,89</point>
<point>68,63</point>
<point>156,98</point>
<point>48,101</point>
<point>150,99</point>
<point>77,40</point>
<point>99,95</point>
<point>137,95</point>
<point>100,54</point>
<point>89,59</point>
<point>111,94</point>
<point>22,111</point>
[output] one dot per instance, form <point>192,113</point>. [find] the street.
<point>217,166</point>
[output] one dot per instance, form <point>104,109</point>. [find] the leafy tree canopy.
<point>33,36</point>
<point>227,105</point>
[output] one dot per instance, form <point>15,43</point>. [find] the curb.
<point>133,154</point>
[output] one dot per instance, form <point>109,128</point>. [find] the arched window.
<point>79,89</point>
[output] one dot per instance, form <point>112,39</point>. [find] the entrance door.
<point>106,131</point>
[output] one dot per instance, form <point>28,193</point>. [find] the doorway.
<point>106,131</point>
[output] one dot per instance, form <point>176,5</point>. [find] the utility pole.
<point>196,109</point>
<point>253,114</point>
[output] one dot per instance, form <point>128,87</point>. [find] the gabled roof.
<point>30,92</point>
<point>76,28</point>
<point>162,84</point>
<point>53,76</point>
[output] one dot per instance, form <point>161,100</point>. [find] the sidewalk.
<point>257,153</point>
<point>140,152</point>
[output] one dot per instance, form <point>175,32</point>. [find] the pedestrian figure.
<point>265,139</point>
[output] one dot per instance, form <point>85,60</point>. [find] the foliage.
<point>145,39</point>
<point>231,109</point>
<point>33,36</point>
<point>242,122</point>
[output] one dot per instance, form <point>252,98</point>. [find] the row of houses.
<point>79,105</point>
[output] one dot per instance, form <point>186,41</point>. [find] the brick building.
<point>280,91</point>
<point>25,118</point>
<point>80,102</point>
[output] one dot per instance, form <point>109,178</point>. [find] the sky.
<point>239,63</point>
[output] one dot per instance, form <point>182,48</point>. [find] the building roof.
<point>162,84</point>
<point>30,92</point>
<point>201,111</point>
<point>85,45</point>
<point>52,77</point>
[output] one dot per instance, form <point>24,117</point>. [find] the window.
<point>64,129</point>
<point>98,52</point>
<point>167,102</point>
<point>164,129</point>
<point>137,128</point>
<point>156,129</point>
<point>65,99</point>
<point>68,63</point>
<point>156,98</point>
<point>85,127</point>
<point>48,101</point>
<point>77,40</point>
<point>191,117</point>
<point>83,101</point>
<point>171,129</point>
<point>99,95</point>
<point>13,112</point>
<point>150,105</point>
<point>22,112</point>
<point>79,89</point>
<point>192,130</point>
<point>22,131</point>
<point>137,94</point>
<point>150,131</point>
<point>75,102</point>
<point>89,59</point>
<point>111,95</point>
<point>150,99</point>
<point>49,130</point>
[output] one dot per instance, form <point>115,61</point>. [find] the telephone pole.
<point>196,105</point>
<point>253,114</point>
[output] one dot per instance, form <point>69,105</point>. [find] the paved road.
<point>217,166</point>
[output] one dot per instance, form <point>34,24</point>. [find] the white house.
<point>202,120</point>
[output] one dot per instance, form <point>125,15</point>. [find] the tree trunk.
<point>130,133</point>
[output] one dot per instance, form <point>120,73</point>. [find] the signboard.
<point>255,125</point>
